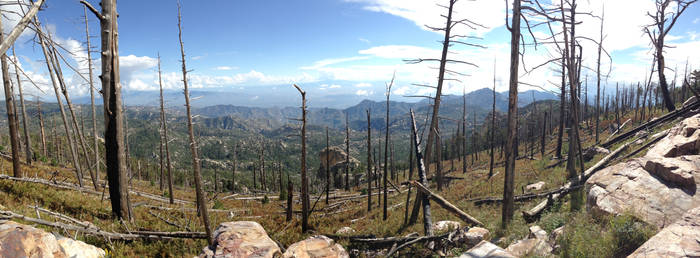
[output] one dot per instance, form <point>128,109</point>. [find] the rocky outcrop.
<point>18,240</point>
<point>477,234</point>
<point>657,188</point>
<point>591,152</point>
<point>536,244</point>
<point>316,247</point>
<point>446,225</point>
<point>241,239</point>
<point>486,249</point>
<point>336,159</point>
<point>680,239</point>
<point>535,187</point>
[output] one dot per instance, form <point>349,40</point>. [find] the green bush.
<point>265,199</point>
<point>629,234</point>
<point>218,205</point>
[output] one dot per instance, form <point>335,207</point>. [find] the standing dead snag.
<point>369,162</point>
<point>304,178</point>
<point>11,111</point>
<point>347,153</point>
<point>386,146</point>
<point>493,121</point>
<point>41,127</point>
<point>657,32</point>
<point>111,94</point>
<point>427,220</point>
<point>328,167</point>
<point>201,200</point>
<point>164,137</point>
<point>96,150</point>
<point>66,126</point>
<point>27,140</point>
<point>511,147</point>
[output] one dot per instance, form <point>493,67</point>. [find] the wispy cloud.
<point>364,92</point>
<point>332,61</point>
<point>225,68</point>
<point>366,41</point>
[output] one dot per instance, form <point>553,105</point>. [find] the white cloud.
<point>364,92</point>
<point>363,85</point>
<point>225,68</point>
<point>366,41</point>
<point>331,61</point>
<point>401,52</point>
<point>489,13</point>
<point>696,21</point>
<point>335,86</point>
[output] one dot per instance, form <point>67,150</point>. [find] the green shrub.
<point>218,205</point>
<point>265,199</point>
<point>629,234</point>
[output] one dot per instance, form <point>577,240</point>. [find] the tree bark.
<point>347,152</point>
<point>96,150</point>
<point>27,140</point>
<point>511,147</point>
<point>304,179</point>
<point>369,163</point>
<point>44,152</point>
<point>427,220</point>
<point>201,200</point>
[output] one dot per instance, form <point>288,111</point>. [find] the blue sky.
<point>333,47</point>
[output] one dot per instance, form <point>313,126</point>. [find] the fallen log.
<point>134,235</point>
<point>447,205</point>
<point>517,198</point>
<point>532,214</point>
<point>618,129</point>
<point>653,123</point>
<point>646,145</point>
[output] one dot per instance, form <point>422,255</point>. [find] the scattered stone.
<point>75,248</point>
<point>682,139</point>
<point>446,225</point>
<point>486,249</point>
<point>345,231</point>
<point>316,246</point>
<point>535,187</point>
<point>19,240</point>
<point>537,232</point>
<point>241,239</point>
<point>641,134</point>
<point>476,235</point>
<point>531,246</point>
<point>591,152</point>
<point>680,239</point>
<point>556,234</point>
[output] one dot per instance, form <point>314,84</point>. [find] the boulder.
<point>477,234</point>
<point>536,232</point>
<point>345,231</point>
<point>657,188</point>
<point>18,240</point>
<point>591,152</point>
<point>682,139</point>
<point>680,239</point>
<point>316,246</point>
<point>241,239</point>
<point>536,244</point>
<point>486,249</point>
<point>535,187</point>
<point>75,248</point>
<point>446,225</point>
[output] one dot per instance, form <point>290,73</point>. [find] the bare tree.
<point>11,111</point>
<point>328,167</point>
<point>27,140</point>
<point>386,146</point>
<point>511,147</point>
<point>304,179</point>
<point>201,200</point>
<point>464,132</point>
<point>164,138</point>
<point>111,94</point>
<point>41,128</point>
<point>96,150</point>
<point>597,95</point>
<point>347,153</point>
<point>657,31</point>
<point>424,200</point>
<point>493,121</point>
<point>369,163</point>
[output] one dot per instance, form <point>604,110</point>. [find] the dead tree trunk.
<point>27,140</point>
<point>11,112</point>
<point>201,200</point>
<point>562,109</point>
<point>347,152</point>
<point>493,121</point>
<point>386,149</point>
<point>427,220</point>
<point>304,179</point>
<point>464,132</point>
<point>410,177</point>
<point>511,147</point>
<point>96,150</point>
<point>44,152</point>
<point>111,94</point>
<point>328,166</point>
<point>74,155</point>
<point>233,169</point>
<point>369,162</point>
<point>597,95</point>
<point>290,198</point>
<point>165,140</point>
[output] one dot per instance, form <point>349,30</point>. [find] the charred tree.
<point>304,179</point>
<point>27,140</point>
<point>511,147</point>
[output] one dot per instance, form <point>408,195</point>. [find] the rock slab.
<point>316,247</point>
<point>680,239</point>
<point>486,249</point>
<point>18,240</point>
<point>241,239</point>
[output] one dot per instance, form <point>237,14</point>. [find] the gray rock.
<point>680,239</point>
<point>316,247</point>
<point>241,239</point>
<point>487,249</point>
